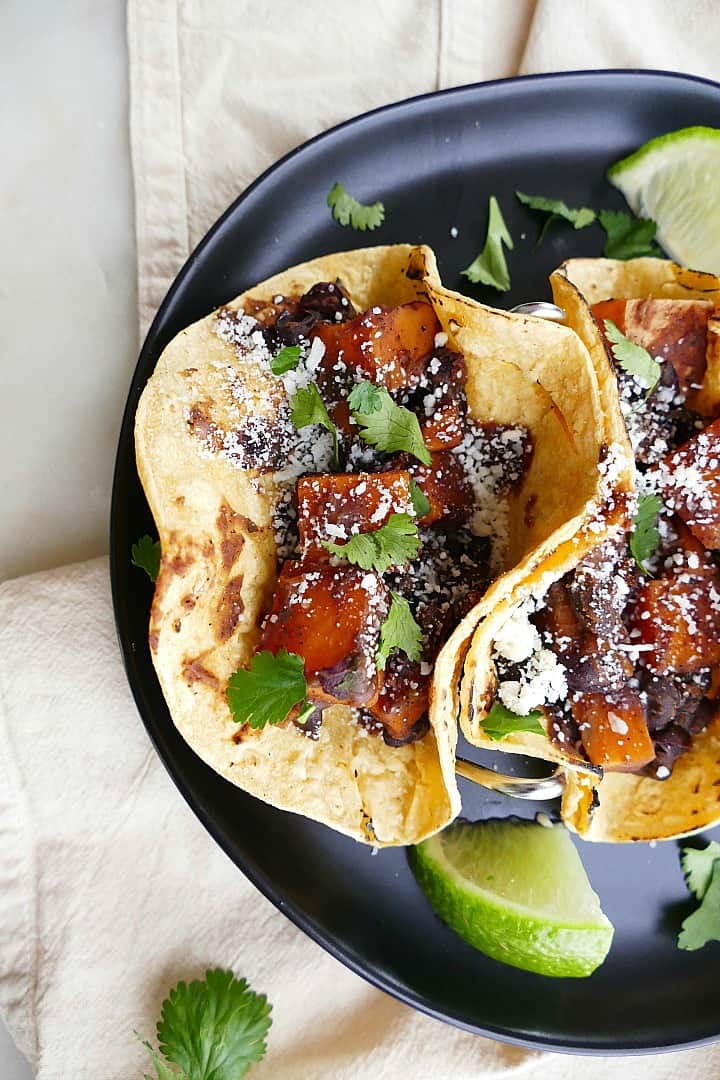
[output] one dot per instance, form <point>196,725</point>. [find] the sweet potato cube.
<point>336,507</point>
<point>559,619</point>
<point>389,346</point>
<point>446,487</point>
<point>678,618</point>
<point>331,616</point>
<point>672,330</point>
<point>690,484</point>
<point>404,696</point>
<point>442,405</point>
<point>613,730</point>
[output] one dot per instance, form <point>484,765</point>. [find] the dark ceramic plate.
<point>434,161</point>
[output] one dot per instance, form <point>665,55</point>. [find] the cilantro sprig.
<point>385,425</point>
<point>399,631</point>
<point>286,360</point>
<point>420,501</point>
<point>393,544</point>
<point>645,536</point>
<point>490,267</point>
<point>702,872</point>
<point>307,407</point>
<point>632,358</point>
<point>628,237</point>
<point>145,554</point>
<point>267,691</point>
<point>557,210</point>
<point>211,1029</point>
<point>348,211</point>
<point>501,721</point>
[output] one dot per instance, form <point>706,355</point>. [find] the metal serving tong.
<point>520,787</point>
<point>541,309</point>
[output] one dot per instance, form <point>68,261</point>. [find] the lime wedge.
<point>674,180</point>
<point>518,892</point>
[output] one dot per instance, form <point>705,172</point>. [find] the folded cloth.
<point>219,91</point>
<point>111,890</point>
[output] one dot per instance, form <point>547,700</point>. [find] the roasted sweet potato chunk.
<point>336,507</point>
<point>331,616</point>
<point>613,730</point>
<point>672,330</point>
<point>678,617</point>
<point>404,696</point>
<point>690,484</point>
<point>442,407</point>
<point>559,619</point>
<point>389,346</point>
<point>446,487</point>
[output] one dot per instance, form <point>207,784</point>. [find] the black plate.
<point>434,161</point>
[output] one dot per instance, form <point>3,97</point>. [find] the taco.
<point>615,653</point>
<point>338,462</point>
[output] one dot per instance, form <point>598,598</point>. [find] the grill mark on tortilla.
<point>154,640</point>
<point>194,671</point>
<point>233,528</point>
<point>203,428</point>
<point>230,608</point>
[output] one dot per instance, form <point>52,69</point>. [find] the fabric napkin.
<point>110,889</point>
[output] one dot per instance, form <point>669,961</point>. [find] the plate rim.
<point>265,886</point>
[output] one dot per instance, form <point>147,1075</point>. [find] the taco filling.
<point>622,654</point>
<point>389,502</point>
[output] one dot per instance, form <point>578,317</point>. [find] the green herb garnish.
<point>645,537</point>
<point>557,210</point>
<point>399,631</point>
<point>490,267</point>
<point>145,554</point>
<point>393,544</point>
<point>307,407</point>
<point>286,360</point>
<point>385,425</point>
<point>348,211</point>
<point>267,691</point>
<point>702,872</point>
<point>500,722</point>
<point>632,358</point>
<point>213,1029</point>
<point>628,237</point>
<point>420,501</point>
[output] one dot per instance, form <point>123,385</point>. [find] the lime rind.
<point>565,935</point>
<point>673,180</point>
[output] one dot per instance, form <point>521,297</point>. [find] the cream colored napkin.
<point>223,88</point>
<point>110,890</point>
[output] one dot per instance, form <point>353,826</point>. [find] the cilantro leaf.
<point>557,210</point>
<point>265,692</point>
<point>393,544</point>
<point>214,1029</point>
<point>628,237</point>
<point>645,537</point>
<point>385,425</point>
<point>348,211</point>
<point>286,360</point>
<point>420,501</point>
<point>364,397</point>
<point>307,407</point>
<point>632,358</point>
<point>489,267</point>
<point>145,554</point>
<point>697,864</point>
<point>704,923</point>
<point>399,631</point>
<point>500,722</point>
<point>163,1070</point>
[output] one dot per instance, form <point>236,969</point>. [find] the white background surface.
<point>68,337</point>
